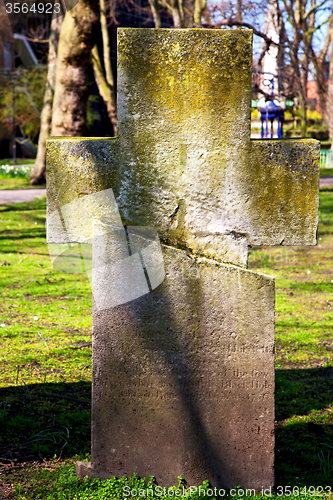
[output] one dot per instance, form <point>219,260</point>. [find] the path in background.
<point>20,195</point>
<point>326,181</point>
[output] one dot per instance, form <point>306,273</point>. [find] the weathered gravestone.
<point>183,376</point>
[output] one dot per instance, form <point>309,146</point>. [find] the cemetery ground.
<point>45,367</point>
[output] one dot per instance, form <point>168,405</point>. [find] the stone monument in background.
<point>183,376</point>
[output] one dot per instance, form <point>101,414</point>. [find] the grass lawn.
<point>45,365</point>
<point>19,161</point>
<point>326,172</point>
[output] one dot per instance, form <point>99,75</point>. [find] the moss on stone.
<point>77,166</point>
<point>284,201</point>
<point>181,122</point>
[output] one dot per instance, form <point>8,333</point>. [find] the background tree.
<point>66,91</point>
<point>105,79</point>
<point>156,13</point>
<point>27,86</point>
<point>328,103</point>
<point>305,20</point>
<point>38,173</point>
<point>6,34</point>
<point>77,38</point>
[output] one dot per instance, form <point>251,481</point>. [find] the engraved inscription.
<point>165,387</point>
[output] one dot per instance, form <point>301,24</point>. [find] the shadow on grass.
<point>22,234</point>
<point>42,420</point>
<point>300,391</point>
<point>304,431</point>
<point>34,204</point>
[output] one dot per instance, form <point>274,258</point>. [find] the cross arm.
<point>282,188</point>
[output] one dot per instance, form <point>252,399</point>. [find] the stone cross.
<point>183,376</point>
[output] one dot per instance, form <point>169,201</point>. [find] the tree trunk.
<point>330,89</point>
<point>304,95</point>
<point>319,63</point>
<point>239,11</point>
<point>177,13</point>
<point>197,13</point>
<point>103,88</point>
<point>77,38</point>
<point>156,13</point>
<point>6,33</point>
<point>111,102</point>
<point>199,7</point>
<point>38,174</point>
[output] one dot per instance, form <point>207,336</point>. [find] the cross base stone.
<point>83,469</point>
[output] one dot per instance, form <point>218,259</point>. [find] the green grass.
<point>58,483</point>
<point>45,362</point>
<point>17,183</point>
<point>326,171</point>
<point>46,315</point>
<point>19,161</point>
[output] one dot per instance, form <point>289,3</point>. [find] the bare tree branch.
<point>233,22</point>
<point>313,9</point>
